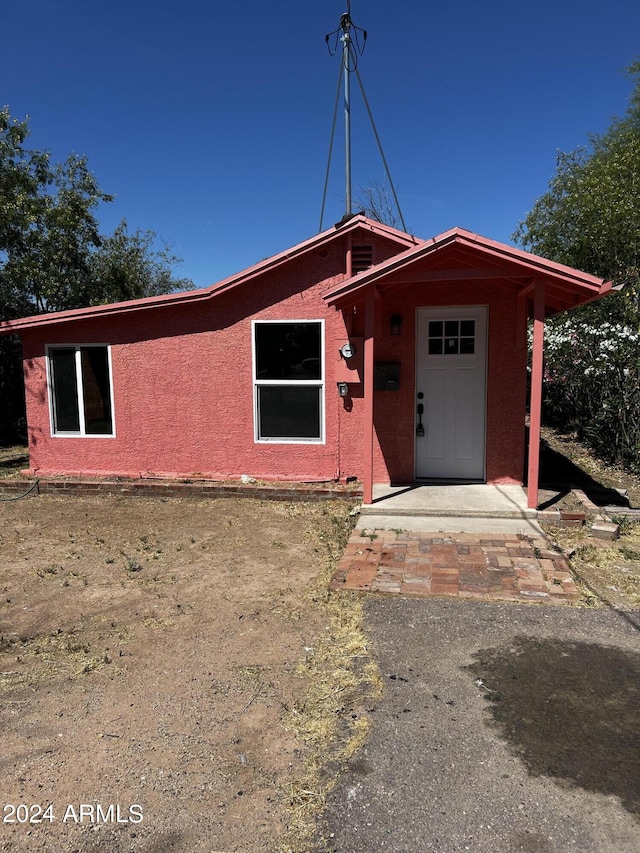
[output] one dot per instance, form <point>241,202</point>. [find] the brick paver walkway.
<point>464,565</point>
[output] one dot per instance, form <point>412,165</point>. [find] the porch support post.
<point>535,400</point>
<point>369,332</point>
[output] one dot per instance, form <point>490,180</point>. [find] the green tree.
<point>52,255</point>
<point>128,267</point>
<point>47,224</point>
<point>589,218</point>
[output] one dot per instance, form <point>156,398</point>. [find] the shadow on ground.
<point>13,460</point>
<point>570,711</point>
<point>558,472</point>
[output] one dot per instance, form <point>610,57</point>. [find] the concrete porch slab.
<point>475,508</point>
<point>450,524</point>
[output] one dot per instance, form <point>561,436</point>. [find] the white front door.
<point>451,389</point>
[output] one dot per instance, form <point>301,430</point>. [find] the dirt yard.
<point>174,675</point>
<point>149,661</point>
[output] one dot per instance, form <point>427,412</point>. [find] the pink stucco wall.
<point>183,393</point>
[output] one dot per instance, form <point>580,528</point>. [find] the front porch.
<point>476,508</point>
<point>446,321</point>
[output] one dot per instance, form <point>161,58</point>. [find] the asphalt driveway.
<point>503,728</point>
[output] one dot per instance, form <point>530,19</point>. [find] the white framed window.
<point>80,390</point>
<point>288,379</point>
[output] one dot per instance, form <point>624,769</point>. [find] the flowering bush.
<point>592,386</point>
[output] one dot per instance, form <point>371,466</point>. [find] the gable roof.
<point>457,255</point>
<point>354,223</point>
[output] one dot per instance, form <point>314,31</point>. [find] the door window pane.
<point>451,346</point>
<point>467,346</point>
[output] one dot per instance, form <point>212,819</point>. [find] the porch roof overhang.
<point>458,255</point>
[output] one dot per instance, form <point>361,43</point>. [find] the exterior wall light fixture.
<point>396,325</point>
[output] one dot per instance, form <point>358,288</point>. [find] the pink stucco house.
<point>363,353</point>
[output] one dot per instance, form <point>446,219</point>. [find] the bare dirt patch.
<point>607,572</point>
<point>149,656</point>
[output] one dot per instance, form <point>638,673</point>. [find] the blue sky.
<point>210,121</point>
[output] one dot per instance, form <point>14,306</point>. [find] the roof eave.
<point>202,294</point>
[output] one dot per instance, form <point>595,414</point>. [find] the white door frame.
<point>458,426</point>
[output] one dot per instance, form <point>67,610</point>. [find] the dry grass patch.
<point>607,573</point>
<point>330,720</point>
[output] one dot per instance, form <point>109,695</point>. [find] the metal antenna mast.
<point>353,40</point>
<point>345,38</point>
